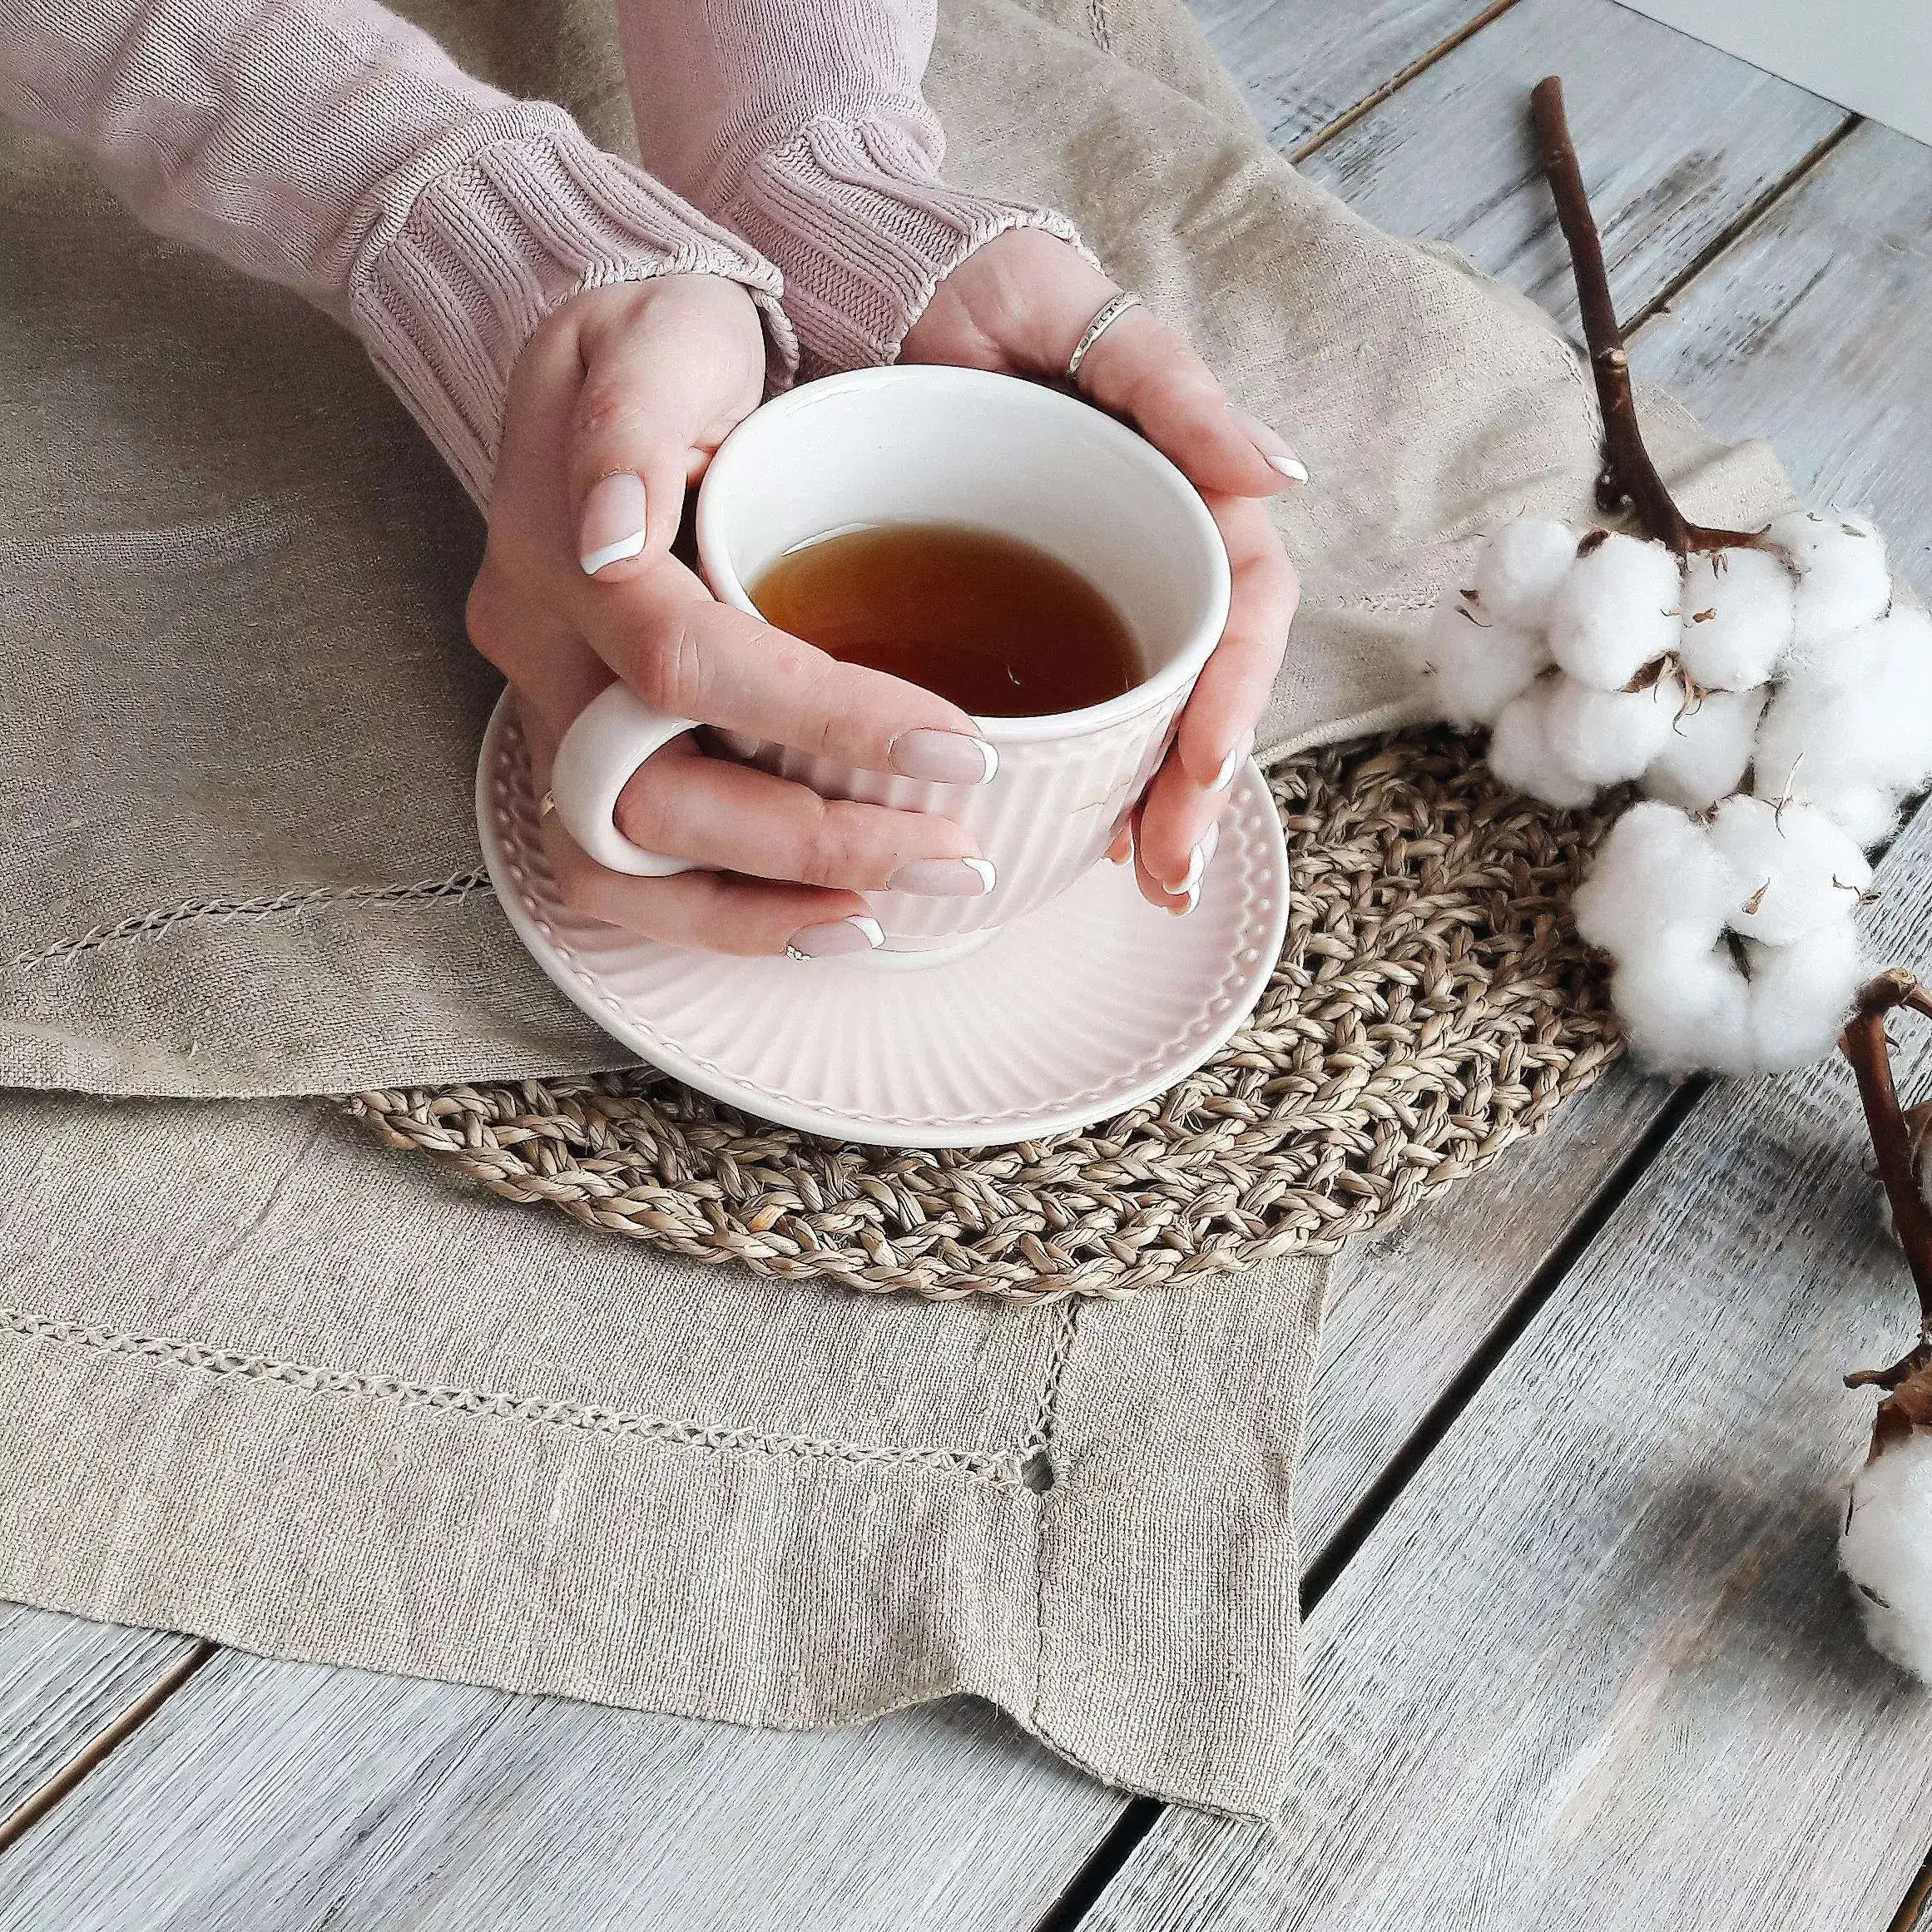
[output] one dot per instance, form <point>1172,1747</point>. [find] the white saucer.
<point>1090,1006</point>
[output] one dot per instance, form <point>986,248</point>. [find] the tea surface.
<point>997,626</point>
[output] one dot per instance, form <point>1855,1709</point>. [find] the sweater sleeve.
<point>329,146</point>
<point>800,125</point>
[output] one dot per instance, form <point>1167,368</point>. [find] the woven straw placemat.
<point>1431,1004</point>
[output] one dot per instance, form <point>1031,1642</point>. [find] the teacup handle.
<point>600,754</point>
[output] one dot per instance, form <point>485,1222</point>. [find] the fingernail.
<point>944,757</point>
<point>832,941</point>
<point>1190,882</point>
<point>612,527</point>
<point>944,878</point>
<point>1187,904</point>
<point>1274,451</point>
<point>1232,763</point>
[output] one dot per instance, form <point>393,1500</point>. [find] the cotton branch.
<point>1908,1382</point>
<point>1628,475</point>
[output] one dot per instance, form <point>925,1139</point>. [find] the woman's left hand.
<point>1021,303</point>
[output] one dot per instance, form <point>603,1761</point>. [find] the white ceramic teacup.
<point>926,444</point>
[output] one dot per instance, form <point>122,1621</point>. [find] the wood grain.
<point>1595,1667</point>
<point>63,1683</point>
<point>1306,65</point>
<point>944,1815</point>
<point>277,1797</point>
<point>1679,144</point>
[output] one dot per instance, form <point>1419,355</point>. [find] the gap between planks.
<point>104,1743</point>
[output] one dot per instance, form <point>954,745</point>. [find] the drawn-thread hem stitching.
<point>454,890</point>
<point>1000,1470</point>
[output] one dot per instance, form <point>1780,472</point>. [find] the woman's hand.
<point>616,404</point>
<point>1021,303</point>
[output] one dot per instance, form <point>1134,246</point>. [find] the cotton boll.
<point>1866,813</point>
<point>1843,579</point>
<point>1475,665</point>
<point>1609,736</point>
<point>1737,620</point>
<point>1615,611</point>
<point>1885,1548</point>
<point>1522,759</point>
<point>1796,869</point>
<point>1658,878</point>
<point>1801,994</point>
<point>1858,717</point>
<point>1684,1008</point>
<point>1708,749</point>
<point>1520,567</point>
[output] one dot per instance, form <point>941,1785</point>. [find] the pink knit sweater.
<point>331,146</point>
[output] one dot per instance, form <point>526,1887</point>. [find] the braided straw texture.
<point>1432,1004</point>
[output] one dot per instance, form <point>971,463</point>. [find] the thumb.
<point>646,396</point>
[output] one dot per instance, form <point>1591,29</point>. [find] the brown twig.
<point>1864,1044</point>
<point>1908,1382</point>
<point>1629,476</point>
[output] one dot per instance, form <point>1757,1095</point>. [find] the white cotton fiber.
<point>1520,567</point>
<point>1705,757</point>
<point>1474,665</point>
<point>1843,580</point>
<point>1830,730</point>
<point>1866,813</point>
<point>1795,869</point>
<point>1658,878</point>
<point>1610,737</point>
<point>1738,613</point>
<point>1615,611</point>
<point>1521,756</point>
<point>1684,1008</point>
<point>1885,1548</point>
<point>1801,994</point>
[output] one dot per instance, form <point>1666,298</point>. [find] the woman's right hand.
<point>615,406</point>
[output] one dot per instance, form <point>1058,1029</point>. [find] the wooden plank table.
<point>1577,1652</point>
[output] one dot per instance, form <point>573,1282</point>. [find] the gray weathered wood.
<point>298,1796</point>
<point>63,1683</point>
<point>1307,64</point>
<point>1595,1667</point>
<point>1679,143</point>
<point>426,1768</point>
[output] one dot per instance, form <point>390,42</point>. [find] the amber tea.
<point>996,624</point>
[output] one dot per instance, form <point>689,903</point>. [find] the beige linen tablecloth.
<point>260,1382</point>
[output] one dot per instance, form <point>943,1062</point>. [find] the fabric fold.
<point>345,1412</point>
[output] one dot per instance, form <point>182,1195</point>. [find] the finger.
<point>1217,727</point>
<point>1175,837</point>
<point>740,820</point>
<point>717,912</point>
<point>632,434</point>
<point>1141,370</point>
<point>685,653</point>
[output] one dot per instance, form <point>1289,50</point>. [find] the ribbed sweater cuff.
<point>865,231</point>
<point>527,213</point>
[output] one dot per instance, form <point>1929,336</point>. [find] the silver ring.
<point>1110,312</point>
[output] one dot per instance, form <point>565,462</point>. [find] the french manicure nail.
<point>1275,451</point>
<point>1197,860</point>
<point>1232,763</point>
<point>837,937</point>
<point>944,878</point>
<point>943,757</point>
<point>1189,900</point>
<point>612,527</point>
